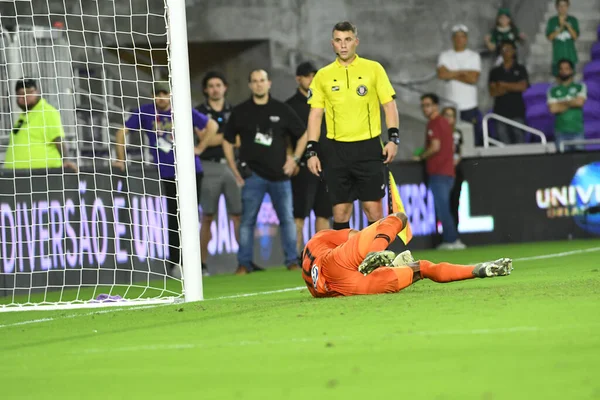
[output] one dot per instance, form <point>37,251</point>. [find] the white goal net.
<point>90,94</point>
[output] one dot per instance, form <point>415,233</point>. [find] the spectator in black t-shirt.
<point>506,84</point>
<point>218,178</point>
<point>449,113</point>
<point>310,192</point>
<point>263,125</point>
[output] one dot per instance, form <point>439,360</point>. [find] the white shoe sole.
<point>403,259</point>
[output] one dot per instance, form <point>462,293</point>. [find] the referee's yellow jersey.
<point>351,97</point>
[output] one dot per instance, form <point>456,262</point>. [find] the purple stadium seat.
<point>596,51</point>
<point>593,90</point>
<point>592,128</point>
<point>544,123</point>
<point>592,71</point>
<point>538,110</point>
<point>592,131</point>
<point>591,110</point>
<point>536,93</point>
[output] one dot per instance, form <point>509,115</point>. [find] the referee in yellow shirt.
<point>349,91</point>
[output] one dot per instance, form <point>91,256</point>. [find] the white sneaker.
<point>403,259</point>
<point>445,246</point>
<point>458,245</point>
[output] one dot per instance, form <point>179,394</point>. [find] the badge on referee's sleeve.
<point>309,95</point>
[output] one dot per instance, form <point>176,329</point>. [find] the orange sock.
<point>445,272</point>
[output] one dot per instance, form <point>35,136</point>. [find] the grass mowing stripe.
<point>178,346</point>
<point>111,310</point>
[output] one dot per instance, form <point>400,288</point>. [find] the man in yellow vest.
<point>349,92</point>
<point>36,141</point>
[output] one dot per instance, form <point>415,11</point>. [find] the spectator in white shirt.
<point>460,68</point>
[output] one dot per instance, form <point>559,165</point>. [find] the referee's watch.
<point>394,136</point>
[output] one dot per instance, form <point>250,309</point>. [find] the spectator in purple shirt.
<point>155,121</point>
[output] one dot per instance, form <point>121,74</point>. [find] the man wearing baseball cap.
<point>309,192</point>
<point>460,69</point>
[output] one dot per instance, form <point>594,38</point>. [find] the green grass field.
<point>532,335</point>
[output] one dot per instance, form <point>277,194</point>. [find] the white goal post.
<point>76,228</point>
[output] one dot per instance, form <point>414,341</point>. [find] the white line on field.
<point>237,296</point>
<point>244,343</point>
<point>563,254</point>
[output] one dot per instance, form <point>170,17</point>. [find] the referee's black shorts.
<point>355,170</point>
<point>310,193</point>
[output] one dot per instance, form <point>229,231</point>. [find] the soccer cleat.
<point>500,267</point>
<point>403,259</point>
<point>375,260</point>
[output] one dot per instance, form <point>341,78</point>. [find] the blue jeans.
<point>474,117</point>
<point>560,136</point>
<point>441,187</point>
<point>253,193</point>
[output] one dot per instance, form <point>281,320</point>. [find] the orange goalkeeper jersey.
<point>315,251</point>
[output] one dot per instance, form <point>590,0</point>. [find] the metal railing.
<point>575,142</point>
<point>523,127</point>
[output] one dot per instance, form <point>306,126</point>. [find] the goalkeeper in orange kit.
<point>349,262</point>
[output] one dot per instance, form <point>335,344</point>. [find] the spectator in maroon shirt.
<point>439,164</point>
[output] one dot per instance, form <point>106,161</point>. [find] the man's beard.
<point>565,78</point>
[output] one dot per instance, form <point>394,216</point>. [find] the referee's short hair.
<point>434,97</point>
<point>345,26</point>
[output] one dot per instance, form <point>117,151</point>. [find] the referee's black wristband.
<point>312,149</point>
<point>394,135</point>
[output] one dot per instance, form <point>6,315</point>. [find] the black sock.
<point>341,225</point>
<point>372,222</point>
